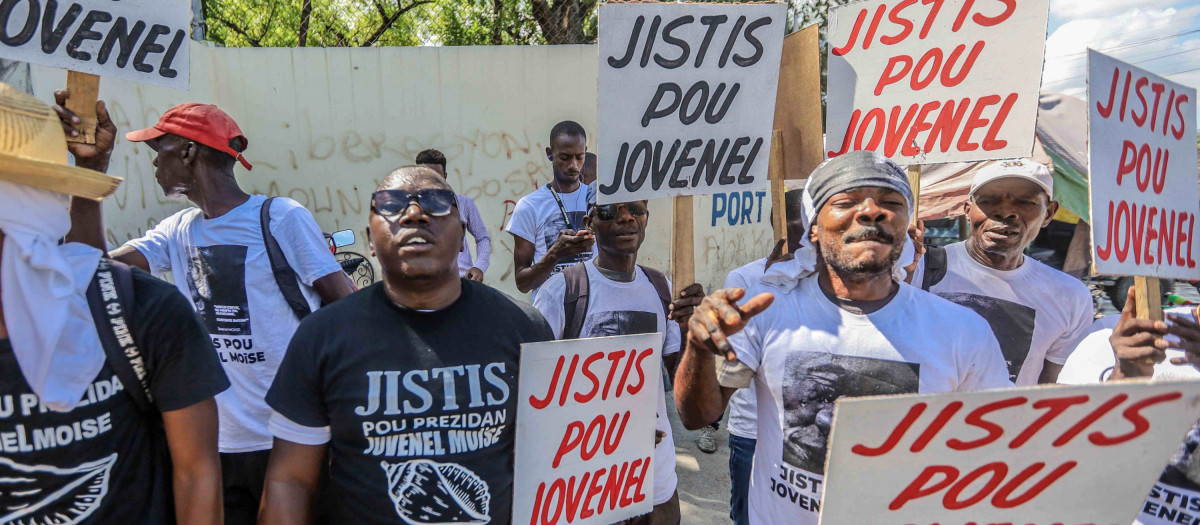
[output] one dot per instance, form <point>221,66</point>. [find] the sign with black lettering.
<point>1142,158</point>
<point>935,81</point>
<point>686,98</point>
<point>141,40</point>
<point>1041,456</point>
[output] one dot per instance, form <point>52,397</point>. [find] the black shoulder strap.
<point>285,277</point>
<point>660,285</point>
<point>110,296</point>
<point>575,300</point>
<point>935,267</point>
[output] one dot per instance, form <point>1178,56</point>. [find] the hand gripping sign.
<point>141,40</point>
<point>686,97</point>
<point>1038,456</point>
<point>585,430</point>
<point>1142,158</point>
<point>932,81</point>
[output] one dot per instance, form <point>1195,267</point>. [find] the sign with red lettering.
<point>1143,172</point>
<point>585,430</point>
<point>140,40</point>
<point>1037,456</point>
<point>687,97</point>
<point>937,80</point>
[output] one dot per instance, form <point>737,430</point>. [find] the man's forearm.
<point>286,503</point>
<point>698,396</point>
<point>198,495</point>
<point>536,274</point>
<point>87,223</point>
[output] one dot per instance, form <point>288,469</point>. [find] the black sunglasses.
<point>435,202</point>
<point>608,212</point>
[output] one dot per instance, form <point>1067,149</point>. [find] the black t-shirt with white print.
<point>105,461</point>
<point>421,406</point>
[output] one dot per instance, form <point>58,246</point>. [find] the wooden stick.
<point>914,181</point>
<point>777,172</point>
<point>1148,291</point>
<point>683,254</point>
<point>85,91</point>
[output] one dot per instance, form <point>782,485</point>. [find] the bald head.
<point>411,175</point>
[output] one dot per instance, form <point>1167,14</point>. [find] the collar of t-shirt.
<point>613,275</point>
<point>859,307</point>
<point>1007,275</point>
<point>404,310</point>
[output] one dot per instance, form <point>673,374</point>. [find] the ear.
<point>812,234</point>
<point>549,156</point>
<point>370,241</point>
<point>1051,210</point>
<point>190,153</point>
<point>462,246</point>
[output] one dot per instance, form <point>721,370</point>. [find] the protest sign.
<point>1031,456</point>
<point>686,97</point>
<point>585,430</point>
<point>1143,171</point>
<point>935,81</point>
<point>141,40</point>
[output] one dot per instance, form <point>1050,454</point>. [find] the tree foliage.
<point>317,23</point>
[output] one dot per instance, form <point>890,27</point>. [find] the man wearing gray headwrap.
<point>847,328</point>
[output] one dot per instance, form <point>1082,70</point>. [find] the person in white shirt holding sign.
<point>1037,313</point>
<point>843,325</point>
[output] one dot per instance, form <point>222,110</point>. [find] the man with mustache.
<point>844,318</point>
<point>407,389</point>
<point>547,225</point>
<point>1037,313</point>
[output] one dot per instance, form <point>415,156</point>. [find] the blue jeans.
<point>741,458</point>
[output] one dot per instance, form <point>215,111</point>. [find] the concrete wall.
<point>326,124</point>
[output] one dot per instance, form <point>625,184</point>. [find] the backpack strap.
<point>575,300</point>
<point>660,285</point>
<point>935,267</point>
<point>110,296</point>
<point>285,277</point>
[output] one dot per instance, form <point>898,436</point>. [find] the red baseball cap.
<point>203,123</point>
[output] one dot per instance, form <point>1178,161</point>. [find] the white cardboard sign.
<point>1038,456</point>
<point>933,82</point>
<point>141,40</point>
<point>1143,174</point>
<point>686,97</point>
<point>585,430</point>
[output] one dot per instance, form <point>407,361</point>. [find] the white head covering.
<point>42,287</point>
<point>787,274</point>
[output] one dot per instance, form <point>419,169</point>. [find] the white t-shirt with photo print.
<point>807,352</point>
<point>221,265</point>
<point>617,308</point>
<point>1037,313</point>
<point>538,219</point>
<point>743,414</point>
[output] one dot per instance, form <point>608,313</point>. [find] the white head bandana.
<point>787,274</point>
<point>43,287</point>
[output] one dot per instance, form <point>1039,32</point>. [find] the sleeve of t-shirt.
<point>1091,360</point>
<point>549,301</point>
<point>184,369</point>
<point>296,393</point>
<point>478,230</point>
<point>985,368</point>
<point>747,344</point>
<point>155,245</point>
<point>301,240</point>
<point>671,339</point>
<point>523,222</point>
<point>1078,328</point>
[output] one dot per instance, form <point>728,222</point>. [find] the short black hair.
<point>214,156</point>
<point>431,156</point>
<point>568,128</point>
<point>793,204</point>
<point>403,173</point>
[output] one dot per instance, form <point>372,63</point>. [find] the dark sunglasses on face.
<point>608,212</point>
<point>435,202</point>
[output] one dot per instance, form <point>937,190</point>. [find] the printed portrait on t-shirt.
<point>425,491</point>
<point>1011,323</point>
<point>605,324</point>
<point>554,225</point>
<point>38,494</point>
<point>813,381</point>
<point>216,277</point>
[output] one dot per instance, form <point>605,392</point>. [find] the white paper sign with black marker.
<point>686,98</point>
<point>140,40</point>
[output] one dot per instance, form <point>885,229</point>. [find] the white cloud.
<point>1071,9</point>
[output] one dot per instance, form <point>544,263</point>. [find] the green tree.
<point>318,23</point>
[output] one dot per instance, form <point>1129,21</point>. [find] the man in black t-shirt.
<point>75,447</point>
<point>410,384</point>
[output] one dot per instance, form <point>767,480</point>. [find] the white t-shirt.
<point>807,352</point>
<point>221,264</point>
<point>538,219</point>
<point>1037,313</point>
<point>743,410</point>
<point>1174,498</point>
<point>617,308</point>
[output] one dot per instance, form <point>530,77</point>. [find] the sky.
<point>1160,36</point>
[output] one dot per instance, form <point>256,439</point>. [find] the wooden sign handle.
<point>1148,291</point>
<point>85,91</point>
<point>914,181</point>
<point>776,172</point>
<point>683,253</point>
